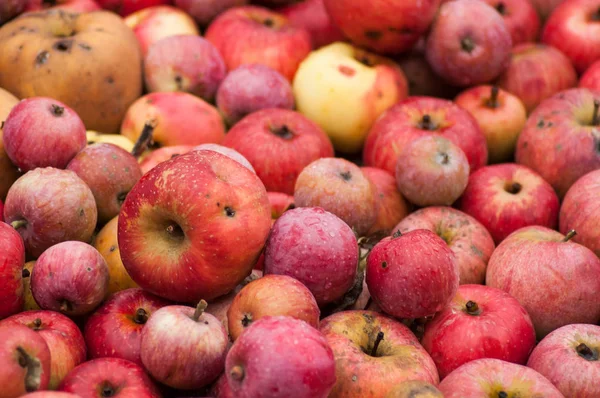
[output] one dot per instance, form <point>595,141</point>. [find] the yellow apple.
<point>94,137</point>
<point>344,89</point>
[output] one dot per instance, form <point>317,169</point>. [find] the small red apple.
<point>312,16</point>
<point>12,259</point>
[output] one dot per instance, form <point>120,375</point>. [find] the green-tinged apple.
<point>339,77</point>
<point>8,171</point>
<point>193,226</point>
<point>12,259</point>
<point>392,207</point>
<point>521,19</point>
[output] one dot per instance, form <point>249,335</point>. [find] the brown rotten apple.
<point>74,59</point>
<point>193,226</point>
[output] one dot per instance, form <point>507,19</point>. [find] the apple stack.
<point>307,199</point>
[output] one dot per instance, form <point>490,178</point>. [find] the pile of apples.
<point>304,199</point>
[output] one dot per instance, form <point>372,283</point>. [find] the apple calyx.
<point>246,320</point>
<point>502,394</point>
<point>501,8</point>
<point>378,340</point>
<point>121,197</point>
<point>144,141</point>
<point>174,231</point>
<point>141,316</point>
<point>427,124</point>
<point>513,187</point>
<point>586,352</point>
<point>65,306</point>
<point>282,132</point>
<point>268,22</point>
<point>34,370</point>
<point>472,308</point>
<point>569,235</point>
<point>25,273</point>
<point>57,110</point>
<point>107,390</point>
<point>199,310</point>
<point>596,116</point>
<point>36,324</point>
<point>467,44</point>
<point>492,102</point>
<point>18,224</point>
<point>443,158</point>
<point>346,175</point>
<point>237,373</point>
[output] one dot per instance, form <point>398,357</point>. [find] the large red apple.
<point>561,140</point>
<point>62,335</point>
<point>193,226</point>
<point>561,271</point>
<point>508,196</point>
<point>490,377</point>
<point>292,140</point>
<point>574,28</point>
<point>374,353</point>
<point>275,42</point>
<point>419,116</point>
<point>312,16</point>
<point>520,17</point>
<point>579,209</point>
<point>471,243</point>
<point>591,78</point>
<point>12,259</point>
<point>126,7</point>
<point>568,357</point>
<point>537,71</point>
<point>480,322</point>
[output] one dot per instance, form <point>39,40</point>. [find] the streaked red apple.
<point>12,259</point>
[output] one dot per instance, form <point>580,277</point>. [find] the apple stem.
<point>467,44</point>
<point>596,116</point>
<point>586,352</point>
<point>18,224</point>
<point>492,102</point>
<point>34,370</point>
<point>25,273</point>
<point>141,316</point>
<point>58,110</point>
<point>145,138</point>
<point>569,235</point>
<point>397,234</point>
<point>426,123</point>
<point>378,340</point>
<point>502,394</point>
<point>237,373</point>
<point>472,308</point>
<point>246,320</point>
<point>200,310</point>
<point>501,8</point>
<point>37,323</point>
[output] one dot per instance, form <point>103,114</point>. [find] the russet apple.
<point>74,6</point>
<point>392,206</point>
<point>591,78</point>
<point>153,158</point>
<point>312,16</point>
<point>339,77</point>
<point>8,171</point>
<point>521,19</point>
<point>204,11</point>
<point>230,152</point>
<point>126,7</point>
<point>12,258</point>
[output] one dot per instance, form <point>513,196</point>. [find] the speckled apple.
<point>12,258</point>
<point>392,206</point>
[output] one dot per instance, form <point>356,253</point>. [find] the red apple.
<point>62,335</point>
<point>186,63</point>
<point>412,275</point>
<point>8,171</point>
<point>574,28</point>
<point>340,187</point>
<point>126,7</point>
<point>182,347</point>
<point>490,377</point>
<point>419,116</point>
<point>545,7</point>
<point>42,132</point>
<point>275,42</point>
<point>414,389</point>
<point>480,322</point>
<point>230,152</point>
<point>157,156</point>
<point>591,78</point>
<point>10,9</point>
<point>109,377</point>
<point>293,141</point>
<point>204,11</point>
<point>315,247</point>
<point>373,354</point>
<point>469,43</point>
<point>560,139</point>
<point>115,329</point>
<point>392,207</point>
<point>201,233</point>
<point>73,6</point>
<point>422,80</point>
<point>568,357</point>
<point>312,16</point>
<point>508,196</point>
<point>521,19</point>
<point>110,172</point>
<point>12,259</point>
<point>304,366</point>
<point>50,394</point>
<point>48,206</point>
<point>432,170</point>
<point>562,273</point>
<point>536,72</point>
<point>579,209</point>
<point>24,360</point>
<point>250,88</point>
<point>280,203</point>
<point>70,277</point>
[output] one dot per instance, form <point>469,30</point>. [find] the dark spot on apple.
<point>283,132</point>
<point>444,158</point>
<point>179,82</point>
<point>86,47</point>
<point>2,124</point>
<point>99,30</point>
<point>427,123</point>
<point>20,47</point>
<point>269,23</point>
<point>107,390</point>
<point>541,124</point>
<point>384,264</point>
<point>63,45</point>
<point>174,231</point>
<point>42,58</point>
<point>513,187</point>
<point>368,318</point>
<point>501,8</point>
<point>112,248</point>
<point>354,377</point>
<point>364,59</point>
<point>467,44</point>
<point>373,34</point>
<point>89,269</point>
<point>218,204</point>
<point>110,80</point>
<point>587,353</point>
<point>81,213</point>
<point>502,394</point>
<point>246,320</point>
<point>25,273</point>
<point>346,70</point>
<point>346,175</point>
<point>229,212</point>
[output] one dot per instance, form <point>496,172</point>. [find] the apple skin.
<point>471,243</point>
<point>62,335</point>
<point>578,210</point>
<point>280,203</point>
<point>312,16</point>
<point>400,357</point>
<point>559,140</point>
<point>392,206</point>
<point>325,181</point>
<point>12,258</point>
<point>70,277</point>
<point>414,389</point>
<point>154,23</point>
<point>304,366</point>
<point>568,357</point>
<point>8,171</point>
<point>230,152</point>
<point>575,21</point>
<point>565,272</point>
<point>19,344</point>
<point>126,7</point>
<point>521,19</point>
<point>293,141</point>
<point>422,80</point>
<point>205,228</point>
<point>432,170</point>
<point>50,394</point>
<point>383,26</point>
<point>403,123</point>
<point>10,9</point>
<point>157,156</point>
<point>115,329</point>
<point>271,295</point>
<point>43,132</point>
<point>591,78</point>
<point>113,377</point>
<point>316,248</point>
<point>110,172</point>
<point>536,72</point>
<point>49,206</point>
<point>187,63</point>
<point>339,77</point>
<point>412,275</point>
<point>508,196</point>
<point>500,115</point>
<point>490,377</point>
<point>545,7</point>
<point>29,303</point>
<point>74,6</point>
<point>250,88</point>
<point>276,43</point>
<point>180,119</point>
<point>204,11</point>
<point>469,43</point>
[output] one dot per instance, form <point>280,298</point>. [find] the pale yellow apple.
<point>344,89</point>
<point>94,137</point>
